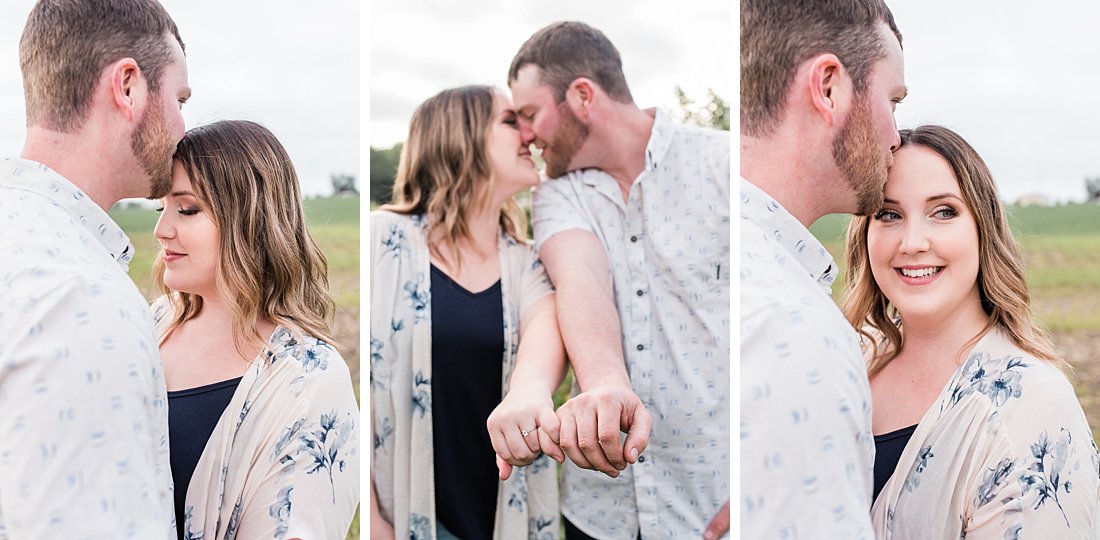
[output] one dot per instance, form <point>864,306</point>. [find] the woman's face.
<point>188,239</point>
<point>923,243</point>
<point>513,168</point>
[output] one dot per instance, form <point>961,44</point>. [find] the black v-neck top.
<point>467,363</point>
<point>888,449</point>
<point>192,416</point>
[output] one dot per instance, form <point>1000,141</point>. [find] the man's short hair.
<point>567,50</point>
<point>67,43</point>
<point>778,35</point>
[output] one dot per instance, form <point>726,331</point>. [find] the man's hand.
<point>521,427</point>
<point>590,427</point>
<point>720,525</point>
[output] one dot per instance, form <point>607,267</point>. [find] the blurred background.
<point>676,56</point>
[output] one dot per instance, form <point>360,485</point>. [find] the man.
<point>83,417</point>
<point>634,232</point>
<point>819,83</point>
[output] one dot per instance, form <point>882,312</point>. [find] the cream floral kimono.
<point>283,460</point>
<point>401,379</point>
<point>1004,453</point>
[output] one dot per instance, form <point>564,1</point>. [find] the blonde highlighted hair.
<point>1002,284</point>
<point>445,173</point>
<point>269,268</point>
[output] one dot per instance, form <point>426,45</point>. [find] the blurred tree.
<point>1092,189</point>
<point>343,184</point>
<point>714,113</point>
<point>383,171</point>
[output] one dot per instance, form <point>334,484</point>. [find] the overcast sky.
<point>420,47</point>
<point>1021,83</point>
<point>291,66</point>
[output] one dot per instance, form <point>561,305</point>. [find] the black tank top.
<point>192,416</point>
<point>467,357</point>
<point>888,449</point>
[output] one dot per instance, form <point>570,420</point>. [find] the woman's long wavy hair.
<point>445,173</point>
<point>1001,282</point>
<point>269,268</point>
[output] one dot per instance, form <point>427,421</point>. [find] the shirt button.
<point>633,238</point>
<point>641,347</point>
<point>641,459</point>
<point>640,292</point>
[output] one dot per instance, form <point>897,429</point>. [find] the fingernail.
<point>634,454</point>
<point>708,535</point>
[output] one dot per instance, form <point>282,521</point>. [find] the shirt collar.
<point>759,207</point>
<point>34,177</point>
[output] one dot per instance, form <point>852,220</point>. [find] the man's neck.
<point>790,174</point>
<point>620,152</point>
<point>80,158</point>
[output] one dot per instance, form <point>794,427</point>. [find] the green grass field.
<point>334,224</point>
<point>1061,248</point>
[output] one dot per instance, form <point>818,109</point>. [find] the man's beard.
<point>861,160</point>
<point>153,145</point>
<point>570,137</point>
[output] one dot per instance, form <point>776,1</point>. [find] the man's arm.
<point>591,422</point>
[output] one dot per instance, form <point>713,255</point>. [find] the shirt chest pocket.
<point>694,264</point>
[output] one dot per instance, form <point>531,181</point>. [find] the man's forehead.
<point>527,87</point>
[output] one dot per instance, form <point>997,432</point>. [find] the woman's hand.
<point>522,426</point>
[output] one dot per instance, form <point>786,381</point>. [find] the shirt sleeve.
<point>1044,482</point>
<point>535,281</point>
<point>77,444</point>
<point>805,428</point>
<point>556,206</point>
<point>311,488</point>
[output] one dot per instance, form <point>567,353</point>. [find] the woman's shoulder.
<point>390,218</point>
<point>311,356</point>
<point>1015,382</point>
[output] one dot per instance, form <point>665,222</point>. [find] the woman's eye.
<point>945,212</point>
<point>189,211</point>
<point>886,215</point>
<point>161,209</point>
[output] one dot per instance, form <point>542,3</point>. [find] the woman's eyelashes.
<point>943,212</point>
<point>184,210</point>
<point>887,214</point>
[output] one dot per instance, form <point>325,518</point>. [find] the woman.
<point>978,431</point>
<point>263,423</point>
<point>460,306</point>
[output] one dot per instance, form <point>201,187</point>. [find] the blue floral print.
<point>992,481</point>
<point>418,297</point>
<point>421,397</point>
<point>324,445</point>
<point>281,511</point>
<point>1044,472</point>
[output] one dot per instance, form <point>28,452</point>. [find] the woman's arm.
<point>540,367</point>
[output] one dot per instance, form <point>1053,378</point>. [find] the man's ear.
<point>581,95</point>
<point>830,88</point>
<point>127,86</point>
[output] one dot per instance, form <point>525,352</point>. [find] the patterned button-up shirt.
<point>807,453</point>
<point>83,412</point>
<point>668,246</point>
